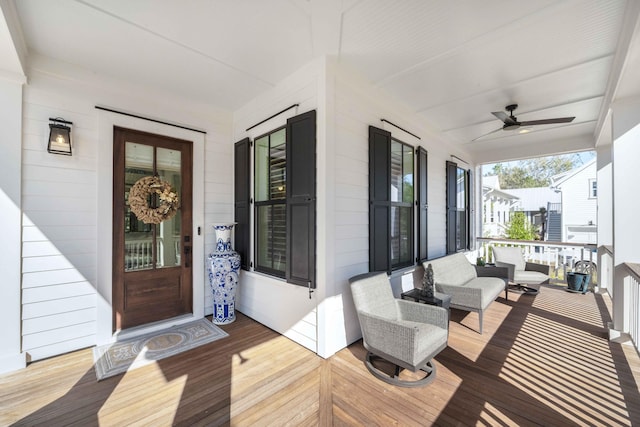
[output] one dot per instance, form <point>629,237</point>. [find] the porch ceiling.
<point>452,63</point>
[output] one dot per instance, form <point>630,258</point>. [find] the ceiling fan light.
<point>524,130</point>
<point>511,126</point>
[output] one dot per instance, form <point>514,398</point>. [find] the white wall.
<point>626,205</point>
<point>346,107</point>
<point>605,195</point>
<point>67,217</point>
<point>66,244</point>
<point>578,208</point>
<point>357,106</point>
<point>283,307</point>
<point>11,357</point>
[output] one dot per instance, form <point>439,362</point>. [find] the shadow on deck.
<point>542,360</point>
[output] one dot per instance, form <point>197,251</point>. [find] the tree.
<point>520,228</point>
<point>533,172</point>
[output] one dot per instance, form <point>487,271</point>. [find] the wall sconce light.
<point>59,137</point>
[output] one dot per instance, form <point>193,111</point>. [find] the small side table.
<point>441,300</point>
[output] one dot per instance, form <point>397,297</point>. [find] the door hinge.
<point>310,290</point>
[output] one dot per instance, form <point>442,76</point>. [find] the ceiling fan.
<point>511,122</point>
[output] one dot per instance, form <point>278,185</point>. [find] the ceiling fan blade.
<point>548,121</point>
<point>482,136</point>
<point>504,117</point>
<point>501,115</point>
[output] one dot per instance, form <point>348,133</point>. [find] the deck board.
<point>542,360</point>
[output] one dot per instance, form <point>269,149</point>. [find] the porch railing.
<point>138,254</point>
<point>632,283</point>
<point>560,256</point>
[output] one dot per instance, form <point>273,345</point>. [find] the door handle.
<point>187,258</point>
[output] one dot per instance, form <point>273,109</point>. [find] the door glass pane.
<point>138,237</point>
<point>168,232</point>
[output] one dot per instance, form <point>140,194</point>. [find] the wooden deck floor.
<point>542,360</point>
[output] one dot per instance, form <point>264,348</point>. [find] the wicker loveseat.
<point>471,288</point>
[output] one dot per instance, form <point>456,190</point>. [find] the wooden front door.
<point>152,277</point>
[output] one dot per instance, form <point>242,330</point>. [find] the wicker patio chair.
<point>408,334</point>
<point>521,273</point>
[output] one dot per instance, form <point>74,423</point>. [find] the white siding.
<point>357,106</point>
<point>11,357</point>
<point>61,232</point>
<point>283,307</point>
<point>59,209</point>
<point>578,207</point>
<point>64,224</point>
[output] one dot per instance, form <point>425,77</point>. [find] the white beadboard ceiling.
<point>452,62</point>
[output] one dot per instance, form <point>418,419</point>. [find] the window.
<point>401,204</point>
<point>593,189</point>
<point>457,208</point>
<point>270,207</point>
<point>393,202</point>
<point>284,194</point>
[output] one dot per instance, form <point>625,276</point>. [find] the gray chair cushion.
<point>490,289</point>
<point>372,293</point>
<point>454,270</point>
<point>509,255</point>
<point>529,277</point>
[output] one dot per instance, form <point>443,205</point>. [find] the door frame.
<point>105,124</point>
<point>119,275</point>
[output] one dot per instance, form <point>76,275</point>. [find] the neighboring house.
<point>579,197</point>
<point>497,205</point>
<point>530,200</point>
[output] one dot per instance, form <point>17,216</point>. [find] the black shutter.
<point>422,204</point>
<point>242,169</point>
<point>452,170</point>
<point>301,199</point>
<point>379,199</point>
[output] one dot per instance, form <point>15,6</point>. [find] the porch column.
<point>604,179</point>
<point>11,357</point>
<point>626,204</point>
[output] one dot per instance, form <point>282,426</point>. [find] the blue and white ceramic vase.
<point>224,265</point>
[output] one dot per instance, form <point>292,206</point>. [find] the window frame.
<point>402,204</point>
<point>381,205</point>
<point>593,188</point>
<point>300,201</point>
<point>270,202</point>
<point>456,242</point>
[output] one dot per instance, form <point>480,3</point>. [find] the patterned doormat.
<point>116,358</point>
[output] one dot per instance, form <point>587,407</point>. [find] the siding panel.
<point>48,323</point>
<point>66,290</point>
<point>58,306</point>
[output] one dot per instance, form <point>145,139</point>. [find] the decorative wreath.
<point>139,200</point>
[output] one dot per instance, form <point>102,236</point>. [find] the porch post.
<point>604,179</point>
<point>626,205</point>
<point>11,357</point>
